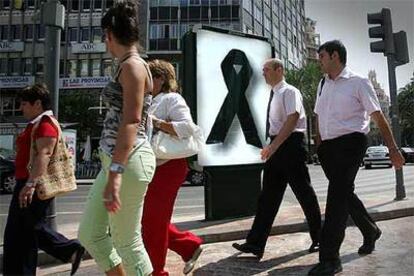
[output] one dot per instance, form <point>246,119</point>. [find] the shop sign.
<point>84,48</point>
<point>16,81</point>
<point>8,47</point>
<point>84,82</point>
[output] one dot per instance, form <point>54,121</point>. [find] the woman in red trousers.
<point>170,114</point>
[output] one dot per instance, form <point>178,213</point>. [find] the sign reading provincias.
<point>84,82</point>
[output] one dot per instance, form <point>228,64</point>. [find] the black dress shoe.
<point>249,248</point>
<point>329,268</point>
<point>78,258</point>
<point>314,247</point>
<point>369,244</point>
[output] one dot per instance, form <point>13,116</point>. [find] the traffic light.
<point>401,48</point>
<point>384,31</point>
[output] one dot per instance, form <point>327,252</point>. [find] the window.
<point>4,32</point>
<point>194,2</point>
<point>85,34</point>
<point>258,14</point>
<point>73,34</point>
<point>14,64</point>
<point>153,32</point>
<point>28,32</point>
<point>27,66</point>
<point>267,24</point>
<point>10,106</point>
<point>174,31</point>
<point>96,34</point>
<point>75,5</point>
<point>96,67</point>
<point>83,67</point>
<point>86,5</point>
<point>16,32</point>
<point>40,30</point>
<point>6,4</point>
<point>248,5</point>
<point>63,36</point>
<point>107,67</point>
<point>40,62</point>
<point>109,3</point>
<point>30,4</point>
<point>61,68</point>
<point>72,68</point>
<point>97,4</point>
<point>3,67</point>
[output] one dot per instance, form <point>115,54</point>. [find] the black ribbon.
<point>237,74</point>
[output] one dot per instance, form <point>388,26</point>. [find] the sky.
<point>346,20</point>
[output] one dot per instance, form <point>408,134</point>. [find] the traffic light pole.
<point>52,17</point>
<point>399,188</point>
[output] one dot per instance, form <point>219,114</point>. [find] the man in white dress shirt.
<point>285,163</point>
<point>344,103</point>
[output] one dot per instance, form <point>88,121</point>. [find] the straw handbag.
<point>60,175</point>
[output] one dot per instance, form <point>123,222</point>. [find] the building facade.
<point>312,40</point>
<point>84,64</point>
<point>282,21</point>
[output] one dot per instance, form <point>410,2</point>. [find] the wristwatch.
<point>117,168</point>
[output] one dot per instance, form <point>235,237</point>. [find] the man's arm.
<point>284,133</point>
<point>318,138</point>
<point>395,155</point>
<point>45,147</point>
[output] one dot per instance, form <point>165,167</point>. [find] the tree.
<point>307,79</point>
<point>406,110</point>
<point>73,108</point>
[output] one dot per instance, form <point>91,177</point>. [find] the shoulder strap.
<point>118,72</point>
<point>322,83</point>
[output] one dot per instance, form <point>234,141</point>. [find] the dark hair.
<point>332,46</point>
<point>164,69</point>
<point>122,21</point>
<point>36,92</point>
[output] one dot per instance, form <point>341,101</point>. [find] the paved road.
<point>285,255</point>
<point>190,202</point>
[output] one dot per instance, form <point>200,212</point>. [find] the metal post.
<point>399,188</point>
<point>53,18</point>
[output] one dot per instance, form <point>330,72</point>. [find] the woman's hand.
<point>26,196</point>
<point>111,194</point>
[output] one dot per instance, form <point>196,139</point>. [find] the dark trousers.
<point>26,231</point>
<point>286,165</point>
<point>340,159</point>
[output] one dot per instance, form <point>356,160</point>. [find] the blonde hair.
<point>275,63</point>
<point>165,70</point>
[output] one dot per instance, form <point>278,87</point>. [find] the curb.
<point>45,259</point>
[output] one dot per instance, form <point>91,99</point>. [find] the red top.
<point>46,129</point>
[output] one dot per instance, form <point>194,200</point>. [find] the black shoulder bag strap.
<point>322,83</point>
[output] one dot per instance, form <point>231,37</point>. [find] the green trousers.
<point>110,238</point>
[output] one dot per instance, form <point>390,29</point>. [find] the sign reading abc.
<point>9,47</point>
<point>82,48</point>
<point>231,94</point>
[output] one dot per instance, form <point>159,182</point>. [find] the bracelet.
<point>30,184</point>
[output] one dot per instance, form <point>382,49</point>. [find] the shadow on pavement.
<point>246,265</point>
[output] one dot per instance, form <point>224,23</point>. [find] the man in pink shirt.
<point>345,102</point>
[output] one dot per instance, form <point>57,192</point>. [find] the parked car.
<point>377,155</point>
<point>408,154</point>
<point>7,179</point>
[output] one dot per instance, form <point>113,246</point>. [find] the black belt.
<point>295,134</point>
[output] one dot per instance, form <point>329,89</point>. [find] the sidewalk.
<point>289,220</point>
<point>287,255</point>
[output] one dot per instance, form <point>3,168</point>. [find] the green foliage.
<point>406,111</point>
<point>306,79</point>
<point>73,108</point>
